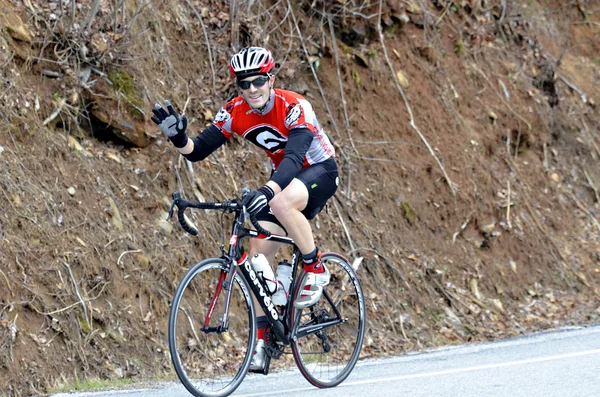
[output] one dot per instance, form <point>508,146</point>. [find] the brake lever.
<point>176,197</point>
<point>171,210</point>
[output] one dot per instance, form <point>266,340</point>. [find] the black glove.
<point>172,124</point>
<point>256,200</point>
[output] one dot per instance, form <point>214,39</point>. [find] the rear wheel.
<point>329,335</point>
<point>208,361</point>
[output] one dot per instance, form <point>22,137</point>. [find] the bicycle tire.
<point>323,368</point>
<point>211,364</point>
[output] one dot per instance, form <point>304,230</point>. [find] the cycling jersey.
<point>286,113</point>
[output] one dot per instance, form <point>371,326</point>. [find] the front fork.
<point>225,282</point>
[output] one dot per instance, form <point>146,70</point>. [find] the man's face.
<point>256,97</point>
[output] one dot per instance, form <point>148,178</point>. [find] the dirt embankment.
<point>466,134</point>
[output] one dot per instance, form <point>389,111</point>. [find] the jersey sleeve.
<point>224,119</point>
<point>300,114</point>
<point>297,145</point>
<point>205,143</point>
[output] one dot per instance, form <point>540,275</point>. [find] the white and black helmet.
<point>251,61</point>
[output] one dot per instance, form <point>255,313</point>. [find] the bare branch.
<point>210,58</point>
<point>126,252</point>
<point>81,301</point>
<point>337,209</point>
<point>314,73</point>
<point>501,98</point>
<point>412,120</point>
<point>584,209</point>
<point>589,179</point>
<point>134,18</point>
<point>92,14</point>
<point>337,64</point>
<point>574,88</point>
<point>7,282</point>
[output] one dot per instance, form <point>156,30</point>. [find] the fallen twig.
<point>508,203</point>
<point>501,98</point>
<point>450,3</point>
<point>229,174</point>
<point>87,317</point>
<point>563,259</point>
<point>51,73</point>
<point>74,304</point>
<point>503,3</point>
<point>402,327</point>
<point>592,139</point>
<point>7,282</point>
<point>92,14</point>
<point>592,185</point>
<point>506,94</point>
<point>134,18</point>
<point>574,88</point>
<point>126,252</point>
<point>462,227</point>
<point>584,209</point>
<point>385,160</point>
<point>314,73</point>
<point>337,63</point>
<point>210,57</point>
<point>7,61</point>
<point>412,120</point>
<point>344,225</point>
<point>192,322</point>
<point>56,112</point>
<point>394,268</point>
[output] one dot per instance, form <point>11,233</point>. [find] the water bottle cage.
<point>263,281</point>
<point>281,287</point>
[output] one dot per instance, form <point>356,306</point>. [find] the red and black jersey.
<point>270,130</point>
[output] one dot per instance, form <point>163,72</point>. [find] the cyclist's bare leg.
<point>268,249</point>
<point>286,207</point>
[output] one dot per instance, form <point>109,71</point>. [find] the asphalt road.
<point>562,363</point>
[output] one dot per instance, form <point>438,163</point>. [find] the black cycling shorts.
<point>321,180</point>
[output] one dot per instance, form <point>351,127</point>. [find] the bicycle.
<point>212,330</point>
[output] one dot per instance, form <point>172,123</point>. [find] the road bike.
<point>212,321</point>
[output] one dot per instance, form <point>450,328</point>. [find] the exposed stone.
<point>123,126</point>
<point>15,26</point>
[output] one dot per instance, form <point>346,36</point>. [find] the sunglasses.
<point>257,83</point>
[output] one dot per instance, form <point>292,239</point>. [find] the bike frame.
<point>237,258</point>
<point>239,261</point>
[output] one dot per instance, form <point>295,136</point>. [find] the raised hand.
<point>171,124</point>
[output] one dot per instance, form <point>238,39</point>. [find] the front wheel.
<point>329,335</point>
<point>209,361</point>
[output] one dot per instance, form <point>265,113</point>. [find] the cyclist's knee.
<point>293,197</point>
<point>279,206</point>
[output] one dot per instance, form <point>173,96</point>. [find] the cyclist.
<point>304,175</point>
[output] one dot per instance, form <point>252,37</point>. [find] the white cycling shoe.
<point>258,359</point>
<point>311,288</point>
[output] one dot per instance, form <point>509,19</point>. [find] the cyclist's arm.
<point>296,147</point>
<point>205,143</point>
